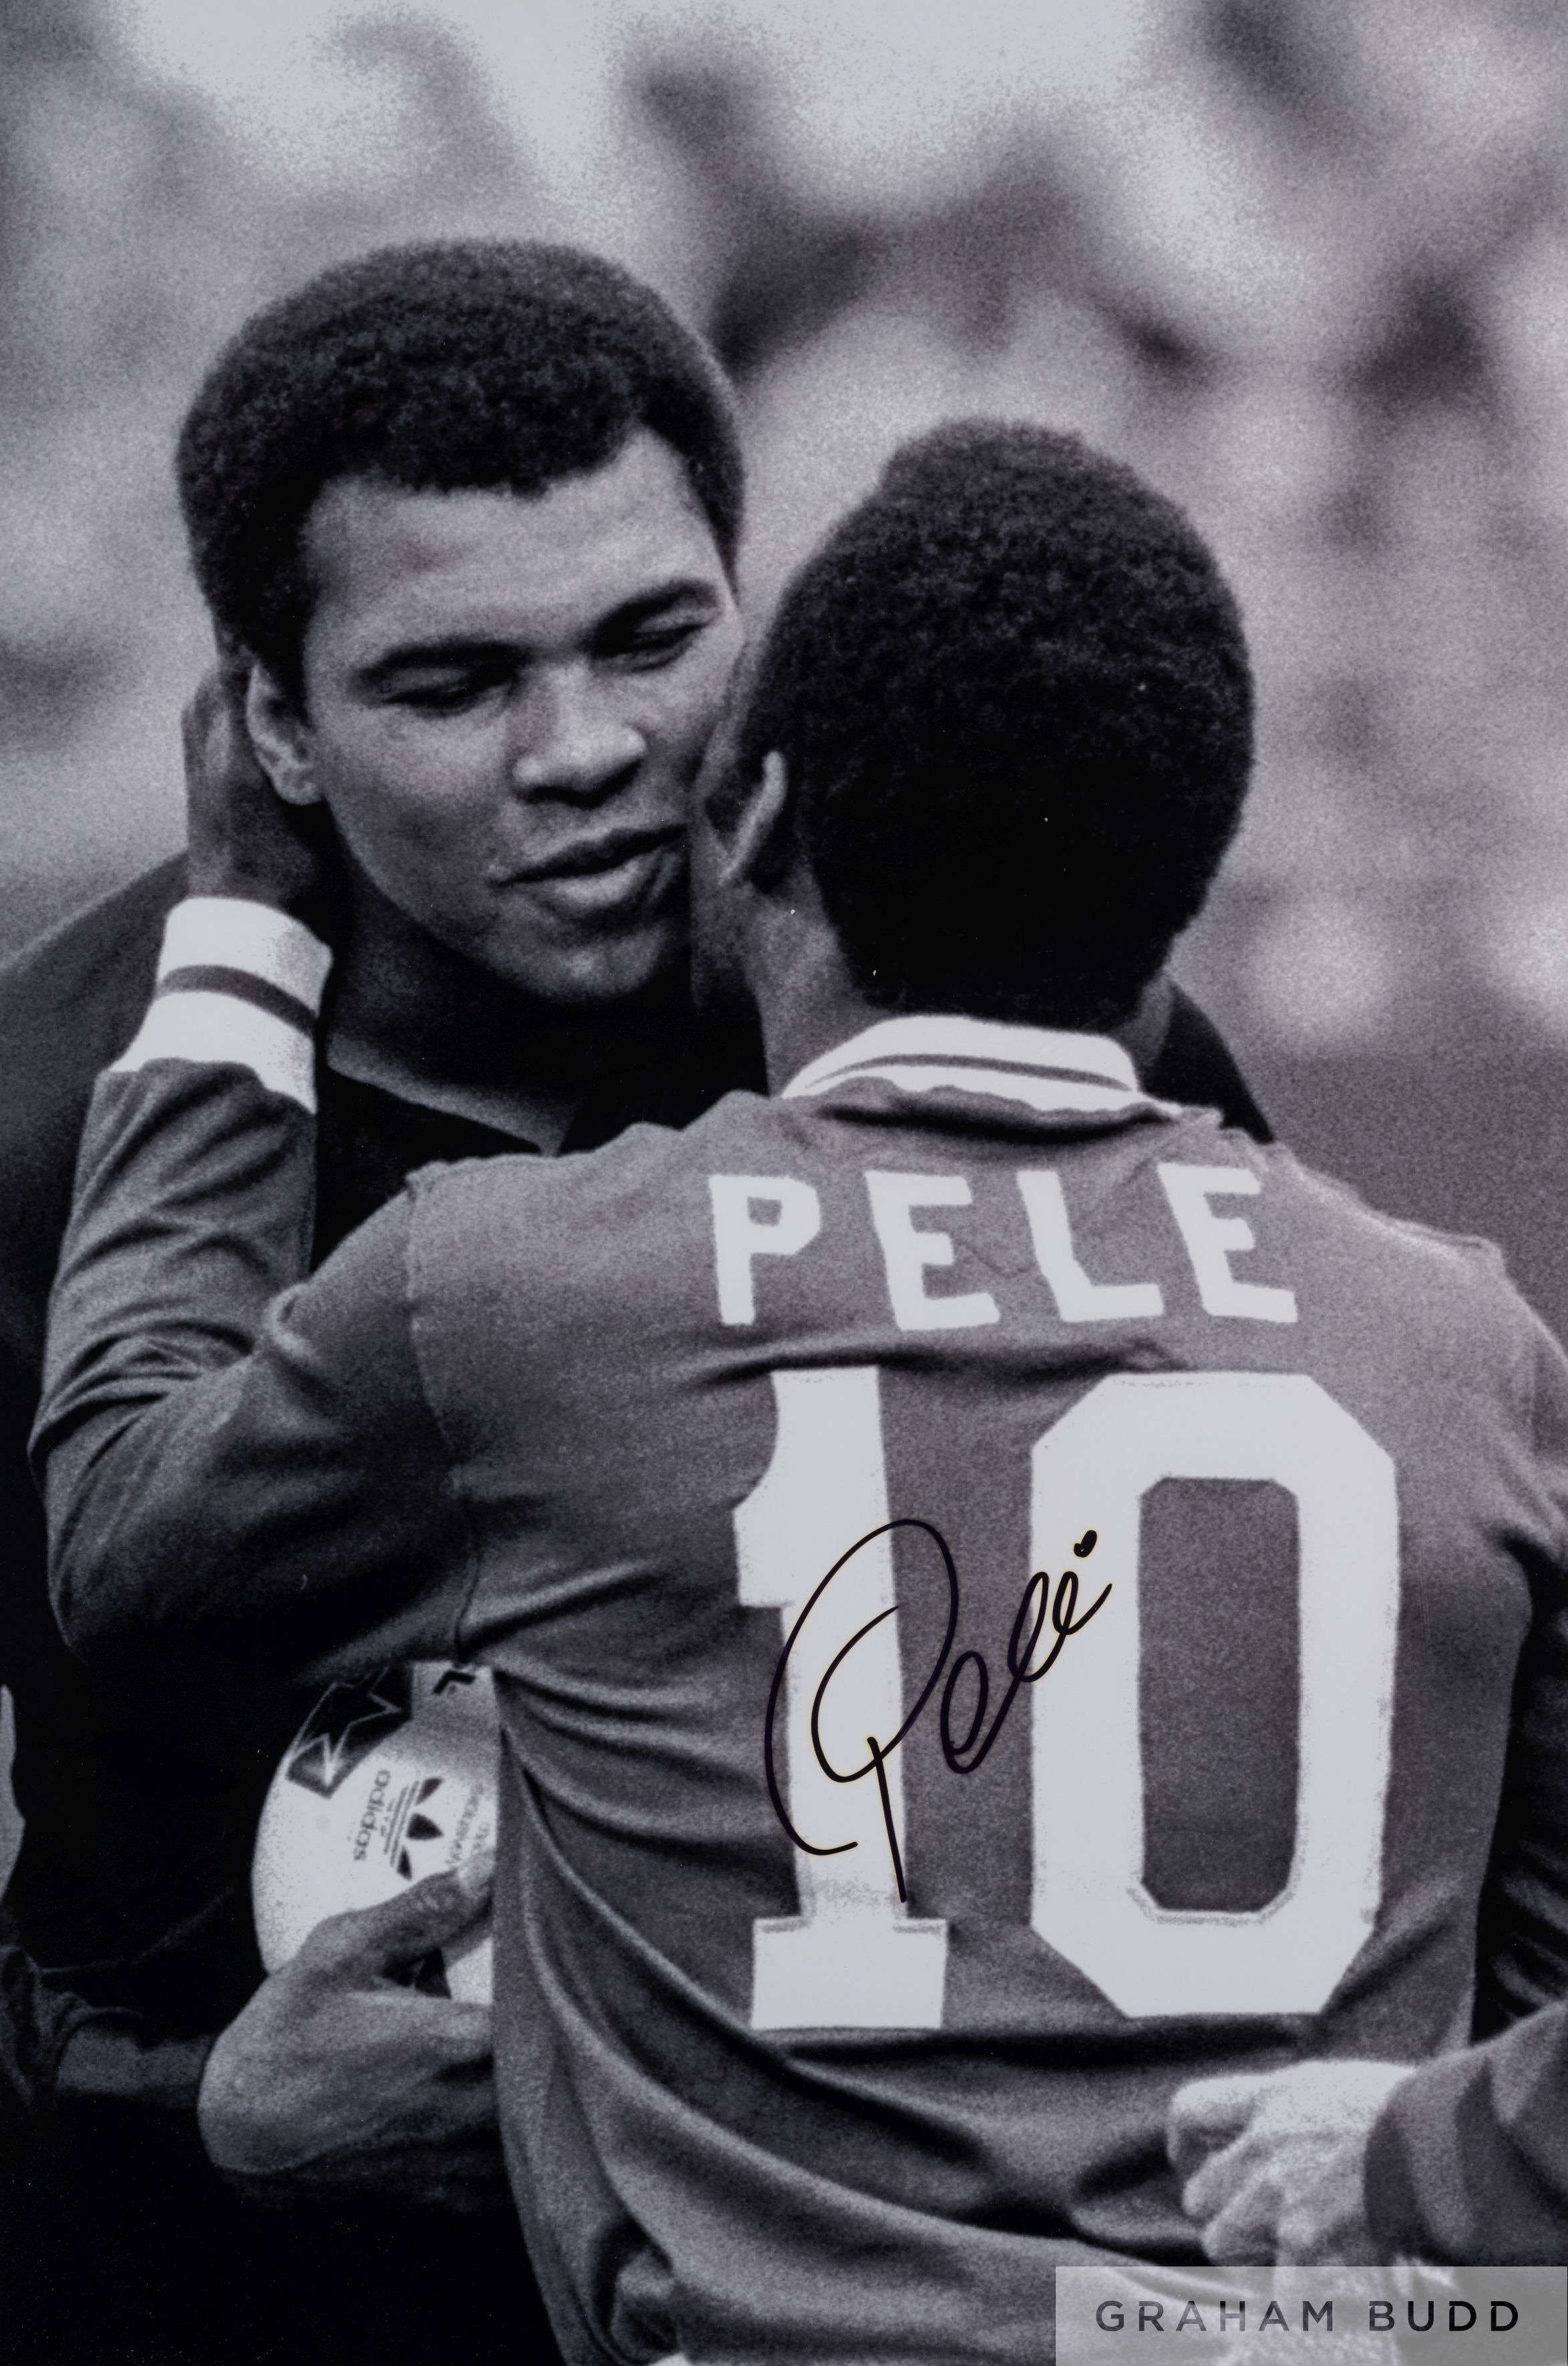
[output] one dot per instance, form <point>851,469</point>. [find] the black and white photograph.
<point>784,1182</point>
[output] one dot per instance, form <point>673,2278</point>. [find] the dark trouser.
<point>125,2250</point>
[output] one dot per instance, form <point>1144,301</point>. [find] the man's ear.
<point>281,738</point>
<point>757,850</point>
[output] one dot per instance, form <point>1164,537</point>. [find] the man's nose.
<point>569,739</point>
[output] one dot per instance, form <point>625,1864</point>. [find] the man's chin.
<point>598,975</point>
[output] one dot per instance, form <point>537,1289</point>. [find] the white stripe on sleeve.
<point>222,1031</point>
<point>228,933</point>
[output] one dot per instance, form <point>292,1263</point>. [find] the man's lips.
<point>602,879</point>
<point>589,857</point>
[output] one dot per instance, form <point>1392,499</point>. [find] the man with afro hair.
<point>439,370</point>
<point>466,517</point>
<point>1104,700</point>
<point>847,1961</point>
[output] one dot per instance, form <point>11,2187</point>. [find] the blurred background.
<point>1303,262</point>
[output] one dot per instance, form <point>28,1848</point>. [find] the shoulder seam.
<point>415,1293</point>
<point>1476,1249</point>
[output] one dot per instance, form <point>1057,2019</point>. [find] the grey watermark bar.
<point>1139,2315</point>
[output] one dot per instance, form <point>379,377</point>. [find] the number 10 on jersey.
<point>854,1957</point>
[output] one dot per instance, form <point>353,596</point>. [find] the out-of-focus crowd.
<point>1305,262</point>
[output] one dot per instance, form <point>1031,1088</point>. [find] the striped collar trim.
<point>1046,1069</point>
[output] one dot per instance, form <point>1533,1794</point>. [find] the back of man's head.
<point>479,364</point>
<point>1013,695</point>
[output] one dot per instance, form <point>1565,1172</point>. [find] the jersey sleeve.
<point>1522,1960</point>
<point>224,1447</point>
<point>1470,2159</point>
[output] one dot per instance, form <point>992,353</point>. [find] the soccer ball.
<point>385,1782</point>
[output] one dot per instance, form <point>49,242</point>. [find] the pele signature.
<point>964,1753</point>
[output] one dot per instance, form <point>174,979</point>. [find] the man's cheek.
<point>410,855</point>
<point>431,826</point>
<point>690,716</point>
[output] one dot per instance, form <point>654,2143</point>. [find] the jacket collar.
<point>1046,1069</point>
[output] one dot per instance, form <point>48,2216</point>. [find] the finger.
<point>1209,2112</point>
<point>398,1930</point>
<point>235,684</point>
<point>427,2036</point>
<point>219,758</point>
<point>461,2036</point>
<point>1237,2210</point>
<point>1204,2105</point>
<point>196,719</point>
<point>1244,2233</point>
<point>1216,2181</point>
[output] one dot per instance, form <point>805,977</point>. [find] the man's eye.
<point>653,645</point>
<point>449,697</point>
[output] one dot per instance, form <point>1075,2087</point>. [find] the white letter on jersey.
<point>906,1252</point>
<point>1079,1299</point>
<point>1212,1241</point>
<point>738,1237</point>
<point>853,1957</point>
<point>1092,1470</point>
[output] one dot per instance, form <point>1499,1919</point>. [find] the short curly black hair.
<point>1013,693</point>
<point>474,364</point>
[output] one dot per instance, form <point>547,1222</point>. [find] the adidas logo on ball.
<point>387,1780</point>
<point>418,1827</point>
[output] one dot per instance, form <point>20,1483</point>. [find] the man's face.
<point>506,701</point>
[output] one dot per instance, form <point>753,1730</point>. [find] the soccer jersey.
<point>1004,1592</point>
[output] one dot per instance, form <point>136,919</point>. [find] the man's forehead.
<point>384,560</point>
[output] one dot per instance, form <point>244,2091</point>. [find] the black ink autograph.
<point>963,1756</point>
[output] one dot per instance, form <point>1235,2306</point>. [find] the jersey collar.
<point>1046,1069</point>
